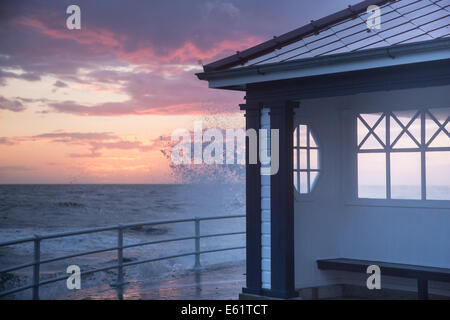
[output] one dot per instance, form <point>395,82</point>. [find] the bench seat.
<point>423,274</point>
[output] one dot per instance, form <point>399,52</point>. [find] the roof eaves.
<point>383,52</point>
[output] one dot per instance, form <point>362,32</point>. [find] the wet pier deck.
<point>223,282</point>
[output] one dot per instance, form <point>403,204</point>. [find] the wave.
<point>70,204</point>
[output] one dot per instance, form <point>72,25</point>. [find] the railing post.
<point>36,266</point>
<point>120,262</point>
<point>197,265</point>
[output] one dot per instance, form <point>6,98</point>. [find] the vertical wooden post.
<point>197,265</point>
<point>422,289</point>
<point>253,205</point>
<point>120,263</point>
<point>36,267</point>
<point>282,206</point>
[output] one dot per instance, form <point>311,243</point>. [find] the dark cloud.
<point>11,105</point>
<point>77,135</point>
<point>94,142</point>
<point>7,141</point>
<point>35,38</point>
<point>60,84</point>
<point>155,35</point>
<point>92,154</point>
<point>168,25</point>
<point>14,168</point>
<point>29,76</point>
<point>154,93</point>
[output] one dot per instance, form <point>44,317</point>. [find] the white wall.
<point>329,223</point>
<point>265,206</point>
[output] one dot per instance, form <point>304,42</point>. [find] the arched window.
<point>306,159</point>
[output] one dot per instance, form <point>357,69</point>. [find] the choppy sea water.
<point>39,209</point>
<point>50,207</point>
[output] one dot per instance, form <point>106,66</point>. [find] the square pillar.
<point>253,206</point>
<point>282,206</point>
<point>278,200</point>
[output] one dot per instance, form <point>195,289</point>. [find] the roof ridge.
<point>291,36</point>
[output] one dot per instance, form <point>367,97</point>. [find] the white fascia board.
<point>346,62</point>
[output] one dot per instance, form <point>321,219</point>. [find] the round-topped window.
<point>306,159</point>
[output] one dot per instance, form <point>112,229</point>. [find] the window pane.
<point>314,176</point>
<point>295,137</point>
<point>405,117</point>
<point>372,175</point>
<point>303,142</point>
<point>362,131</point>
<point>295,158</point>
<point>303,182</point>
<point>371,118</point>
<point>441,140</point>
<point>430,127</point>
<point>440,115</point>
<point>405,140</point>
<point>438,173</point>
<point>303,159</point>
<point>406,175</point>
<point>312,140</point>
<point>371,143</point>
<point>380,131</point>
<point>296,180</point>
<point>313,159</point>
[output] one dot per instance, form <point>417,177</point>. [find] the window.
<point>306,159</point>
<point>404,154</point>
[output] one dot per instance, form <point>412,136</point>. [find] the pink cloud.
<point>154,93</point>
<point>101,37</point>
<point>102,40</point>
<point>94,141</point>
<point>188,52</point>
<point>161,86</point>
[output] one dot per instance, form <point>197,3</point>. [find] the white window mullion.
<point>298,157</point>
<point>308,160</point>
<point>423,157</point>
<point>388,155</point>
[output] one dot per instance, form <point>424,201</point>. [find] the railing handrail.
<point>37,262</point>
<point>111,228</point>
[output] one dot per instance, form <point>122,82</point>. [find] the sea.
<point>26,210</point>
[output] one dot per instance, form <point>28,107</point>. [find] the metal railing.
<point>37,261</point>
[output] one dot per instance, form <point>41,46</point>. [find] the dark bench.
<point>421,273</point>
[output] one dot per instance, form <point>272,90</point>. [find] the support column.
<point>282,206</point>
<point>422,289</point>
<point>253,205</point>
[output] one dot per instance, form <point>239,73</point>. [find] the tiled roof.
<point>402,21</point>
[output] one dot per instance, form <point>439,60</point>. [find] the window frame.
<point>422,146</point>
<point>311,185</point>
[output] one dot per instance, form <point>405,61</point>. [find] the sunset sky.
<point>90,105</point>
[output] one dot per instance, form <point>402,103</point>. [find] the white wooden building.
<point>363,118</point>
